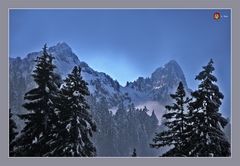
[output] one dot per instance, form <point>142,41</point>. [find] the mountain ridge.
<point>152,91</point>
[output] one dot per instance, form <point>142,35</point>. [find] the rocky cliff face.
<point>162,82</point>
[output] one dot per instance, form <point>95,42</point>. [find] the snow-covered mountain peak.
<point>172,62</point>
<point>174,67</point>
<point>154,91</point>
<point>170,74</point>
<point>63,53</point>
<point>60,47</point>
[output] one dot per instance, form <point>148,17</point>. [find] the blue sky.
<point>127,44</point>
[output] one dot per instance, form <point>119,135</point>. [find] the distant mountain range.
<point>152,91</point>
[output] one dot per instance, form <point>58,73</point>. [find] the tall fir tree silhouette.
<point>207,123</point>
<point>75,125</point>
<point>40,118</point>
<point>106,133</point>
<point>175,121</point>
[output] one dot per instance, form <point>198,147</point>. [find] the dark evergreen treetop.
<point>121,113</point>
<point>134,153</point>
<point>207,123</point>
<point>175,121</point>
<point>103,115</point>
<point>40,118</point>
<point>154,120</point>
<point>105,137</point>
<point>75,121</point>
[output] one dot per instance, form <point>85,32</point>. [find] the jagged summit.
<point>171,74</point>
<point>162,82</point>
<point>172,62</point>
<point>61,50</point>
<point>65,58</point>
<point>60,47</point>
<point>173,65</point>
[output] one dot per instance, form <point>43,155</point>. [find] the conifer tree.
<point>207,123</point>
<point>153,122</point>
<point>121,121</point>
<point>133,129</point>
<point>40,118</point>
<point>12,133</point>
<point>75,121</point>
<point>134,153</point>
<point>105,129</point>
<point>175,122</point>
